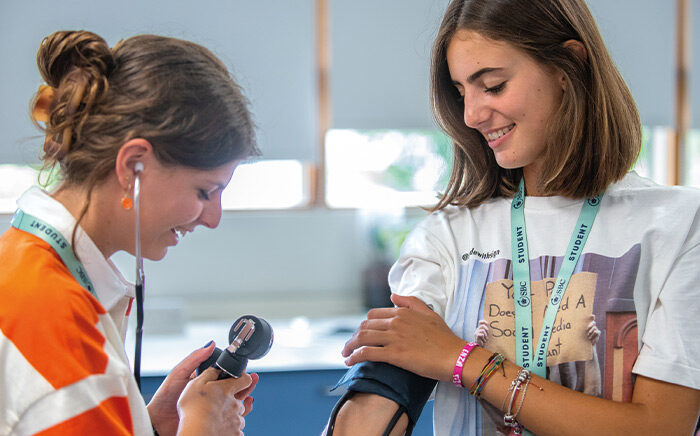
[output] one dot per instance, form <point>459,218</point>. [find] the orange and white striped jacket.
<point>63,368</point>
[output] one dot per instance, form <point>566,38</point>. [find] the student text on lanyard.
<point>35,226</point>
<point>536,359</point>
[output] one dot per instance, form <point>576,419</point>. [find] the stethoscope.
<point>138,168</point>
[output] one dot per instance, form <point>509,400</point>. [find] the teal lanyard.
<point>536,359</point>
<point>55,239</point>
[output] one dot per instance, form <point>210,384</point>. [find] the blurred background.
<point>339,92</point>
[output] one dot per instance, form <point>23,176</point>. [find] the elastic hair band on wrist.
<point>459,365</point>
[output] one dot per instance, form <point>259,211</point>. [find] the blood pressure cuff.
<point>408,390</point>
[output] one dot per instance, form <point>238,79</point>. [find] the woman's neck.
<point>531,174</point>
<point>98,219</point>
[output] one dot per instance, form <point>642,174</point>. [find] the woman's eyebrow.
<point>471,79</point>
<point>481,72</point>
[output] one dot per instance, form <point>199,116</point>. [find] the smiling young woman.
<point>584,321</point>
<point>163,113</point>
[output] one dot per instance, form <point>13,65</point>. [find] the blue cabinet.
<point>294,403</point>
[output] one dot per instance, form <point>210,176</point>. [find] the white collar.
<point>110,285</point>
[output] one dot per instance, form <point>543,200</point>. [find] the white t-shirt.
<point>631,306</point>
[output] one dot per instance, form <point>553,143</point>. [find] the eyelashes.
<point>492,90</point>
<point>495,89</point>
<point>203,194</point>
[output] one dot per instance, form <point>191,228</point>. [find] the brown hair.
<point>173,93</point>
<point>597,130</point>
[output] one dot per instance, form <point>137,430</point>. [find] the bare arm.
<point>415,338</point>
<point>368,414</point>
<point>656,408</point>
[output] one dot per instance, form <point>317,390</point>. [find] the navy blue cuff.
<point>403,387</point>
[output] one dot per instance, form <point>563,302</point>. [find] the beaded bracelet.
<point>459,365</point>
<point>494,362</point>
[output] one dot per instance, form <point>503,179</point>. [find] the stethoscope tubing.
<point>138,168</point>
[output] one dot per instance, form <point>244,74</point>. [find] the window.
<point>692,159</point>
<point>265,184</point>
<point>404,168</point>
<point>385,168</point>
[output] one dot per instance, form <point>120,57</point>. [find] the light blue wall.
<point>640,36</point>
<point>381,62</point>
<point>268,45</point>
<point>381,53</point>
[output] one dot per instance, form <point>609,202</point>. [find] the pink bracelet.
<point>457,374</point>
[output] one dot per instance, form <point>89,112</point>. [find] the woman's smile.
<point>496,137</point>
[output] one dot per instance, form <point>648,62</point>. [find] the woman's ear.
<point>132,152</point>
<point>578,48</point>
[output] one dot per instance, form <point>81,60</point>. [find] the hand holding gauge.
<point>250,337</point>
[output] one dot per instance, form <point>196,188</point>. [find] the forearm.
<point>414,338</point>
<point>368,414</point>
<point>556,410</point>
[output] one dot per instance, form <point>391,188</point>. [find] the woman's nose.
<point>211,214</point>
<point>475,112</point>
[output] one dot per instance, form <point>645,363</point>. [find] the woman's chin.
<point>507,164</point>
<point>155,255</point>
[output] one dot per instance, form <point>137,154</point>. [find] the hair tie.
<point>43,103</point>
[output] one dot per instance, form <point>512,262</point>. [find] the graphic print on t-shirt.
<point>594,343</point>
<point>567,344</point>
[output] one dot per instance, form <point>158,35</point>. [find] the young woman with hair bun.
<point>552,290</point>
<point>169,112</point>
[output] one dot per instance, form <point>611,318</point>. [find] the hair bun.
<point>77,64</point>
<point>63,51</point>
